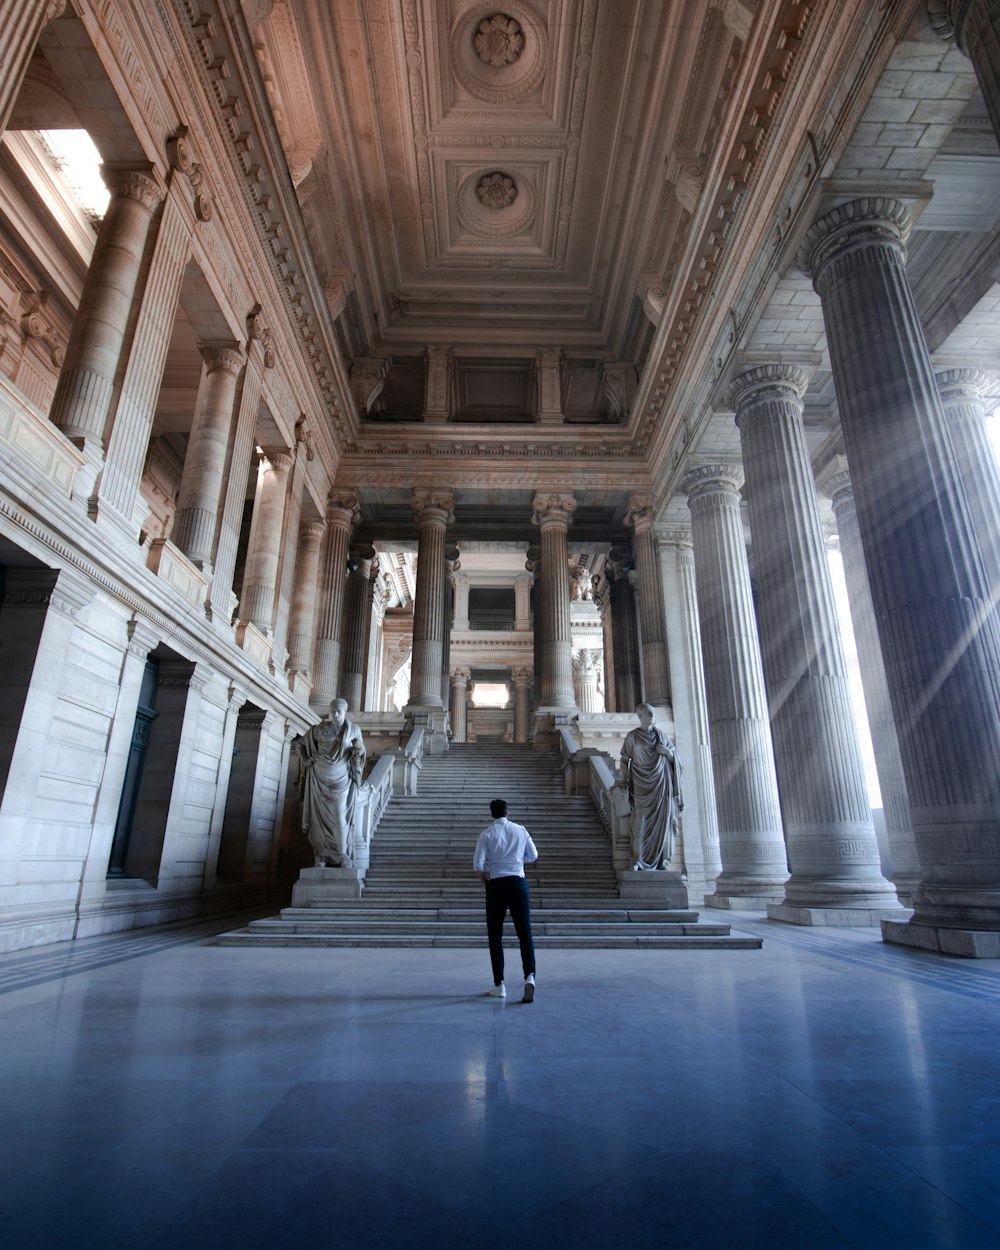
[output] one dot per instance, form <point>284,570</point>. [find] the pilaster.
<point>652,628</point>
<point>342,514</point>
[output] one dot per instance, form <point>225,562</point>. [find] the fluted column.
<point>342,514</point>
<point>885,744</point>
<point>302,621</point>
<point>830,839</point>
<point>602,597</point>
<point>452,564</point>
<point>939,631</point>
<point>82,401</point>
<point>533,563</point>
<point>700,825</point>
<point>653,630</point>
<point>751,842</point>
<point>963,396</point>
<point>21,22</point>
<point>552,514</point>
<point>523,683</point>
<point>625,630</point>
<point>376,640</point>
<point>585,667</point>
<point>357,606</point>
<point>459,695</point>
<point>975,26</point>
<point>432,511</point>
<point>260,575</point>
<point>205,463</point>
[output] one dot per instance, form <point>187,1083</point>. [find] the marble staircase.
<point>420,889</point>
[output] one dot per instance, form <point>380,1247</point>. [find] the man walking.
<point>502,851</point>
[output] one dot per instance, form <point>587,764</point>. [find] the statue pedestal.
<point>321,887</point>
<point>658,888</point>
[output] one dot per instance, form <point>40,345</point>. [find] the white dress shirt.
<point>503,849</point>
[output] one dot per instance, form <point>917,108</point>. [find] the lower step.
<point>243,938</point>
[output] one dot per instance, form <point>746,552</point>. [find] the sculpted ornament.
<point>499,41</point>
<point>497,190</point>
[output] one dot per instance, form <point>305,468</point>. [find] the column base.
<point>789,913</point>
<point>967,943</point>
<point>321,887</point>
<point>655,888</point>
<point>729,901</point>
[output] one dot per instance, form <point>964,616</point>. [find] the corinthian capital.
<point>133,182</point>
<point>767,382</point>
<point>854,227</point>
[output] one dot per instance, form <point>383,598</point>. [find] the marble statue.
<point>331,762</point>
<point>652,773</point>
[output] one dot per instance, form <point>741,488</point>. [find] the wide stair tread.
<point>420,890</point>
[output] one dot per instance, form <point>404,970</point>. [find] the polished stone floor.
<point>824,1092</point>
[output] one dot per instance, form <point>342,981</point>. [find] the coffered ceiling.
<point>497,178</point>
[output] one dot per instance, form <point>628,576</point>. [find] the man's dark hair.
<point>498,808</point>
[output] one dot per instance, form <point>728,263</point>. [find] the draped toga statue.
<point>331,762</point>
<point>652,772</point>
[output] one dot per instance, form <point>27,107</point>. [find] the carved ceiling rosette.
<point>499,55</point>
<point>495,203</point>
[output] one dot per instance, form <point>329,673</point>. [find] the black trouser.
<point>503,893</point>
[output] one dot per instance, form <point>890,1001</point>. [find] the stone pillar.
<point>751,842</point>
<point>523,684</point>
<point>288,552</point>
<point>342,514</point>
<point>963,396</point>
<point>205,463</point>
<point>432,511</point>
<point>830,840</point>
<point>357,609</point>
<point>585,667</point>
<point>21,22</point>
<point>552,514</point>
<point>975,27</point>
<point>302,620</point>
<point>533,563</point>
<point>461,623</point>
<point>626,637</point>
<point>939,631</point>
<point>223,600</point>
<point>451,566</point>
<point>119,497</point>
<point>602,597</point>
<point>437,385</point>
<point>459,695</point>
<point>376,637</point>
<point>82,402</point>
<point>260,576</point>
<point>522,603</point>
<point>885,744</point>
<point>699,827</point>
<point>653,630</point>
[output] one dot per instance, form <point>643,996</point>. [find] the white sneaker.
<point>529,989</point>
<point>498,991</point>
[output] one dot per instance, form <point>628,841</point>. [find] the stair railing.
<point>373,798</point>
<point>590,770</point>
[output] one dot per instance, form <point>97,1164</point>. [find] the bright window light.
<point>489,694</point>
<point>77,160</point>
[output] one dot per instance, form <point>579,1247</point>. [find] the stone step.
<point>583,942</point>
